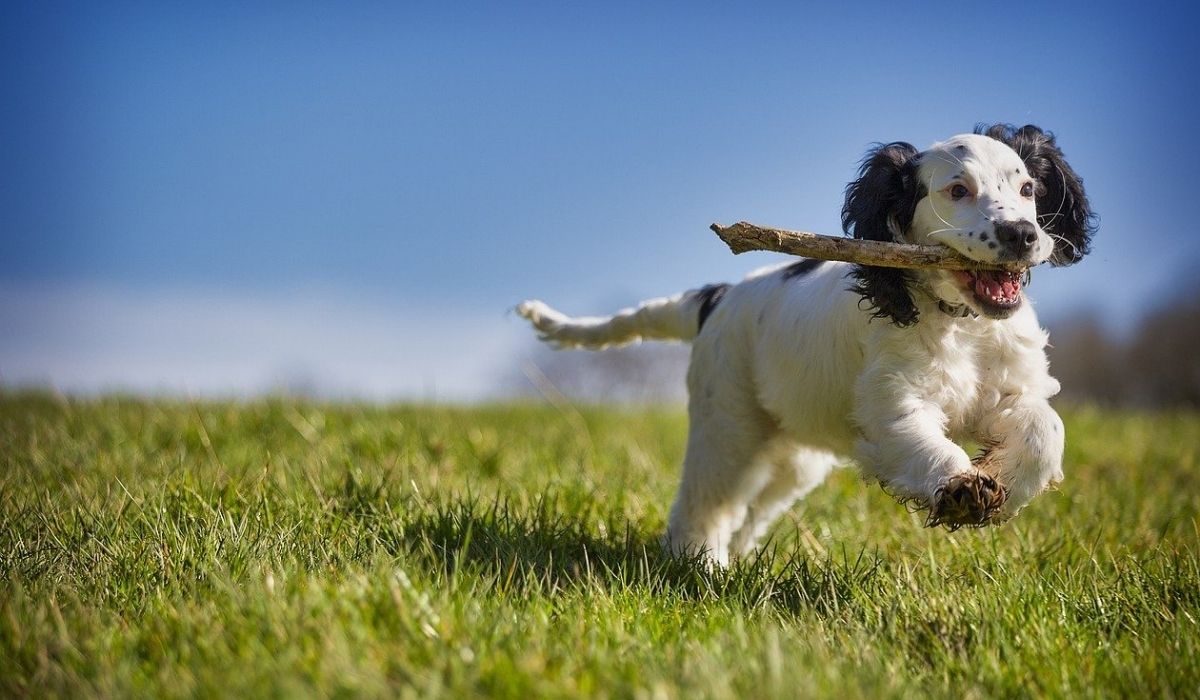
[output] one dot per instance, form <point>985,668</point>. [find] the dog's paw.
<point>967,500</point>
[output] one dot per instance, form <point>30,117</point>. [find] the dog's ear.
<point>1063,210</point>
<point>879,207</point>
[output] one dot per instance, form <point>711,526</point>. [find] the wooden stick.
<point>743,236</point>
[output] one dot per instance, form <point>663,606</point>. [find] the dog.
<point>806,364</point>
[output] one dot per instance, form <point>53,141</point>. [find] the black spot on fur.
<point>710,295</point>
<point>882,199</point>
<point>992,245</point>
<point>983,237</point>
<point>1063,209</point>
<point>800,268</point>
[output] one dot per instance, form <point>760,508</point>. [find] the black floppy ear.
<point>1063,210</point>
<point>879,207</point>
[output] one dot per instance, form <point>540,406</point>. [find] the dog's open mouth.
<point>997,291</point>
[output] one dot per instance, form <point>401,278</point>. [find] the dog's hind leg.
<point>794,472</point>
<point>722,471</point>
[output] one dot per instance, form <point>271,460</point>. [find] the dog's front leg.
<point>903,443</point>
<point>1025,439</point>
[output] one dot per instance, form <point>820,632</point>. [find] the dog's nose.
<point>1017,236</point>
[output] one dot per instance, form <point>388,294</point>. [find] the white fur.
<point>790,376</point>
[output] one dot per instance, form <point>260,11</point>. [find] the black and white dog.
<point>789,376</point>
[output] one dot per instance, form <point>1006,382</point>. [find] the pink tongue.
<point>1003,285</point>
<point>988,286</point>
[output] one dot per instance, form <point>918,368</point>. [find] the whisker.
<point>929,187</point>
<point>1063,239</point>
<point>1062,203</point>
<point>956,158</point>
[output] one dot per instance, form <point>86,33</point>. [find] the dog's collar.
<point>955,310</point>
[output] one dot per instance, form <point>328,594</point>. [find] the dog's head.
<point>1001,194</point>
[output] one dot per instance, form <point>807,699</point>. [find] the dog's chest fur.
<point>967,366</point>
<point>808,381</point>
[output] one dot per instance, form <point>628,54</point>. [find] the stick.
<point>743,236</point>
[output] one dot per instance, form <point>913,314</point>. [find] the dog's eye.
<point>959,191</point>
<point>1027,189</point>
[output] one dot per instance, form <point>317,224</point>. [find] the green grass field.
<point>290,548</point>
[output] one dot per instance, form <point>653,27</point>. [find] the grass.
<point>284,548</point>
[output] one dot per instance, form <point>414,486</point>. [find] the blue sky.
<point>211,198</point>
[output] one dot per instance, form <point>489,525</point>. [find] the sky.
<point>218,199</point>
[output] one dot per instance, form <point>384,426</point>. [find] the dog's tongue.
<point>1004,285</point>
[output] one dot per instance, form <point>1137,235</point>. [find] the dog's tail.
<point>677,317</point>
